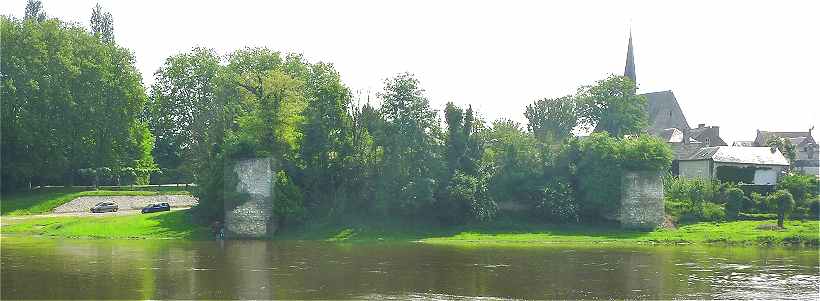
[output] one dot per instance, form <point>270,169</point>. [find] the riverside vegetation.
<point>340,158</point>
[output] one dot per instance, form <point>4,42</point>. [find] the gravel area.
<point>84,203</point>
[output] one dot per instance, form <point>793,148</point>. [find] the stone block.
<point>642,205</point>
<point>252,218</point>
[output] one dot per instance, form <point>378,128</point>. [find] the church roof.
<point>741,155</point>
<point>629,69</point>
<point>664,112</point>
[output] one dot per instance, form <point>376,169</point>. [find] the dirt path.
<point>84,214</point>
<point>84,203</point>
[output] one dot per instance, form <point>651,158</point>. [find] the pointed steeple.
<point>629,70</point>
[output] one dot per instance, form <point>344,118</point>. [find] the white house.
<point>761,165</point>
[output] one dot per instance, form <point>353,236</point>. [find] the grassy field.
<point>161,225</point>
<point>177,224</point>
<point>44,200</point>
<point>734,233</point>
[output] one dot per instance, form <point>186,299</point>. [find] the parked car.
<point>156,208</point>
<point>105,207</point>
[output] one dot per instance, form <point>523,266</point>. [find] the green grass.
<point>44,200</point>
<point>528,234</point>
<point>734,233</point>
<point>162,225</point>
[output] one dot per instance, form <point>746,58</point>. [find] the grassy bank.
<point>176,224</point>
<point>172,224</point>
<point>733,233</point>
<point>44,200</point>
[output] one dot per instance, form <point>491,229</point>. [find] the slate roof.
<point>664,112</point>
<point>743,143</point>
<point>796,138</point>
<point>742,155</point>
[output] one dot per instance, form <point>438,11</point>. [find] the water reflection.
<point>87,269</point>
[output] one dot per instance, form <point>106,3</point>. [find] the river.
<point>36,268</point>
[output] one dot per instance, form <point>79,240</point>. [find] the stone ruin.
<point>642,204</point>
<point>253,217</point>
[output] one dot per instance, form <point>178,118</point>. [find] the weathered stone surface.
<point>642,204</point>
<point>253,217</point>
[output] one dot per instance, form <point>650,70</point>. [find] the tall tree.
<point>61,115</point>
<point>183,109</point>
<point>552,119</point>
<point>102,24</point>
<point>410,147</point>
<point>612,106</point>
<point>35,11</point>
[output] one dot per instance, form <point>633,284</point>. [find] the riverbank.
<point>177,225</point>
<point>44,200</point>
<point>161,225</point>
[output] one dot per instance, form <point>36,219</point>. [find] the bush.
<point>558,202</point>
<point>814,207</point>
<point>694,191</point>
<point>688,212</point>
<point>712,213</point>
<point>756,216</point>
<point>785,203</point>
<point>802,187</point>
<point>735,202</point>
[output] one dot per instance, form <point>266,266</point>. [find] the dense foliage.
<point>71,102</point>
<point>74,107</point>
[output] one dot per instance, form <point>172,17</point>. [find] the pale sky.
<point>742,65</point>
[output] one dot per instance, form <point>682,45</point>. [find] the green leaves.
<point>612,106</point>
<point>70,101</point>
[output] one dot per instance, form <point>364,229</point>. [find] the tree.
<point>735,200</point>
<point>62,115</point>
<point>183,110</point>
<point>515,163</point>
<point>612,106</point>
<point>326,138</point>
<point>410,147</point>
<point>552,119</point>
<point>599,172</point>
<point>102,24</point>
<point>785,146</point>
<point>35,11</point>
<point>785,203</point>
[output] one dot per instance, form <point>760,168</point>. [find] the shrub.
<point>558,202</point>
<point>814,207</point>
<point>802,187</point>
<point>756,216</point>
<point>785,203</point>
<point>599,176</point>
<point>690,190</point>
<point>734,203</point>
<point>712,213</point>
<point>645,153</point>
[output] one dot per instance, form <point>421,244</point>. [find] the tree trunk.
<point>780,218</point>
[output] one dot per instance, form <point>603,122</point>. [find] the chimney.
<point>685,136</point>
<point>701,125</point>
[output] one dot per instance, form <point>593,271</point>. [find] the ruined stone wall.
<point>252,218</point>
<point>641,200</point>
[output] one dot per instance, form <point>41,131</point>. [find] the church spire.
<point>629,71</point>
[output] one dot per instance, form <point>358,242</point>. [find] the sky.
<point>740,65</point>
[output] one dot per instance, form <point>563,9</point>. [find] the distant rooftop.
<point>742,155</point>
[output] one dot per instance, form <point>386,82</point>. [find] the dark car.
<point>105,207</point>
<point>156,208</point>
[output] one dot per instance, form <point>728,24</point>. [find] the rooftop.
<point>743,155</point>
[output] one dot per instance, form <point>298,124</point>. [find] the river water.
<point>168,269</point>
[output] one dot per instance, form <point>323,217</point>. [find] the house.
<point>751,165</point>
<point>807,160</point>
